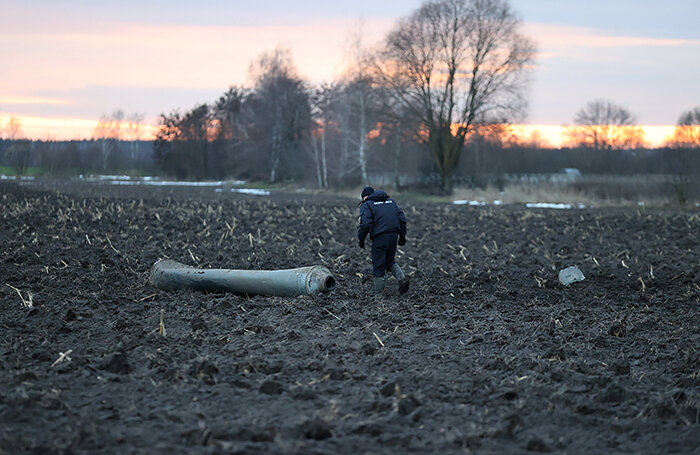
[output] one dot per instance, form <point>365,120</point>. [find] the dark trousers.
<point>383,252</point>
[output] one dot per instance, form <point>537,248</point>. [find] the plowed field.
<point>487,352</point>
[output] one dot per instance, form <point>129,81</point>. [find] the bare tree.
<point>485,141</point>
<point>108,133</point>
<point>134,131</point>
<point>231,119</point>
<point>604,125</point>
<point>229,115</point>
<point>166,151</point>
<point>322,113</point>
<point>397,155</point>
<point>454,63</point>
<point>20,150</point>
<point>360,105</point>
<point>101,135</point>
<point>687,131</point>
<point>680,156</point>
<point>360,98</point>
<point>14,129</point>
<point>194,130</point>
<point>183,143</point>
<point>282,106</point>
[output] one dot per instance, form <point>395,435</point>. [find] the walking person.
<point>383,220</point>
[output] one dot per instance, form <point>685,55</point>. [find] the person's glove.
<point>402,240</point>
<point>362,243</point>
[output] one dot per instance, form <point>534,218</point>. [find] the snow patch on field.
<point>254,191</point>
<point>551,205</point>
<point>219,186</point>
<point>476,203</point>
<point>473,203</point>
<point>536,205</point>
<point>14,177</point>
<point>164,183</point>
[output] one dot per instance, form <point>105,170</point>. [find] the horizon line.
<point>65,128</point>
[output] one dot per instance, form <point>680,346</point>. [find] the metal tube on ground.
<point>312,280</point>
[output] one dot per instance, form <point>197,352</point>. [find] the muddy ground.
<point>487,353</point>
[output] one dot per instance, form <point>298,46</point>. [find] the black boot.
<point>403,280</point>
<point>378,285</point>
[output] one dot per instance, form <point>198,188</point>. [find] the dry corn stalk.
<point>28,302</point>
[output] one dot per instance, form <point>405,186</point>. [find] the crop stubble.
<point>487,352</point>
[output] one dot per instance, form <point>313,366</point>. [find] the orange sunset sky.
<point>65,64</point>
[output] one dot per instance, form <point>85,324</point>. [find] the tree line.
<point>447,67</point>
<point>392,159</point>
<point>437,98</point>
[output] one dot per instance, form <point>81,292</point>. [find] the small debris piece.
<point>570,275</point>
<point>62,357</point>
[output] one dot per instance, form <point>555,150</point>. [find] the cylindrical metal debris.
<point>169,275</point>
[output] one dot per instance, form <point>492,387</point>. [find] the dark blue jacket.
<point>379,214</point>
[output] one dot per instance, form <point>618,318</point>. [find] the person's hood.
<point>378,195</point>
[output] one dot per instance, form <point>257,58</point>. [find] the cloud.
<point>168,55</point>
<point>14,100</point>
<point>553,40</point>
<point>170,65</point>
<point>84,60</point>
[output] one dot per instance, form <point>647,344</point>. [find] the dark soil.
<point>486,353</point>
